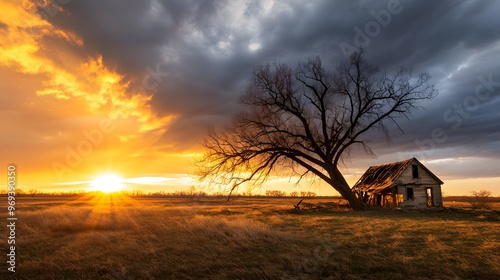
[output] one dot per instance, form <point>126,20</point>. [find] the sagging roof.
<point>379,178</point>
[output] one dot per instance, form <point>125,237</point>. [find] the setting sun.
<point>107,183</point>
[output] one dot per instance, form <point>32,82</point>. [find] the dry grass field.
<point>119,237</point>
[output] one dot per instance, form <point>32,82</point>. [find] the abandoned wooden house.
<point>407,184</point>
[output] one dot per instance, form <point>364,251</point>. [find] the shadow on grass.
<point>445,214</point>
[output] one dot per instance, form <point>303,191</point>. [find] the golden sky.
<point>83,91</point>
<point>67,116</point>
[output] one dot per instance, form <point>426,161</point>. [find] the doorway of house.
<point>429,197</point>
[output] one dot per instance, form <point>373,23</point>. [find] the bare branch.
<point>309,119</point>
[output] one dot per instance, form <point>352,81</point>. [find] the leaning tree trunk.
<point>354,202</point>
<point>341,185</point>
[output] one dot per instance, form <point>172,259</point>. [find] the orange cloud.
<point>103,90</point>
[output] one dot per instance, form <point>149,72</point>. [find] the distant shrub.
<point>480,199</point>
<point>275,193</point>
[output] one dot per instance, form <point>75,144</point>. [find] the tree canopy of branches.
<point>306,120</point>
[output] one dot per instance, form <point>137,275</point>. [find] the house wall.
<point>419,185</point>
<point>419,199</point>
<point>420,196</point>
<point>424,177</point>
<point>438,196</point>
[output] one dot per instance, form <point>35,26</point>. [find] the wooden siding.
<point>419,185</point>
<point>437,194</point>
<point>424,177</point>
<point>419,198</point>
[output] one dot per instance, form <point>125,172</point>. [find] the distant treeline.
<point>268,193</point>
<point>464,198</point>
<point>188,193</point>
<point>33,192</point>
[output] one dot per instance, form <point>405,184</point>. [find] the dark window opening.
<point>414,169</point>
<point>409,193</point>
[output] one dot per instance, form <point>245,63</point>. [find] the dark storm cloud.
<point>209,49</point>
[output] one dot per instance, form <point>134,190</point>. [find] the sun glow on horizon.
<point>107,183</point>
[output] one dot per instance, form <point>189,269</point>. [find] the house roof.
<point>379,178</point>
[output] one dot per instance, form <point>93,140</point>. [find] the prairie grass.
<point>118,237</point>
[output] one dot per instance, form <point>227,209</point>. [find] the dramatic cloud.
<point>167,70</point>
<point>28,44</point>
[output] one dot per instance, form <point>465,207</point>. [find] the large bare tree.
<point>307,120</point>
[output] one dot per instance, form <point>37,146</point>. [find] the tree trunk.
<point>341,185</point>
<point>354,202</point>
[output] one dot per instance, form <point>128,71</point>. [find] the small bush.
<point>480,199</point>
